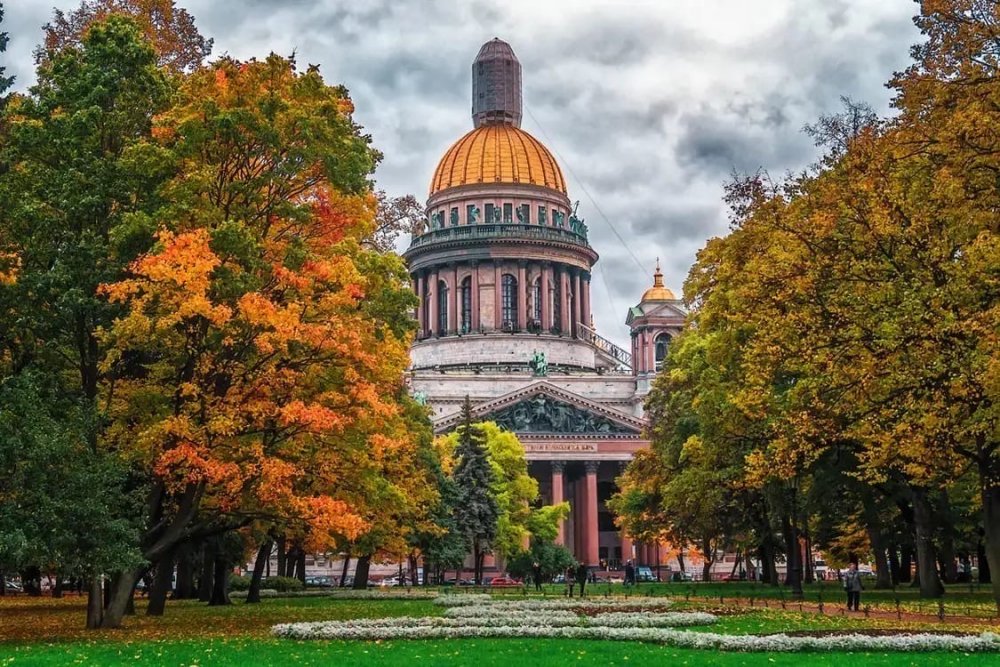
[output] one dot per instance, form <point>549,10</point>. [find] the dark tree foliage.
<point>476,509</point>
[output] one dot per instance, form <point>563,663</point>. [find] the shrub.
<point>239,583</point>
<point>283,584</point>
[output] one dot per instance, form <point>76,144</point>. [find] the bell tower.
<point>654,323</point>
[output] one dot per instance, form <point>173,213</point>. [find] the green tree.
<point>477,511</point>
<point>78,200</point>
<point>5,81</point>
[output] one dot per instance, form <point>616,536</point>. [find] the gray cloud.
<point>648,104</point>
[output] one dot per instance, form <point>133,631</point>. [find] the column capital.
<point>591,467</point>
<point>522,263</point>
<point>558,467</point>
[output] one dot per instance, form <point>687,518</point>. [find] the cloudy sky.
<point>648,105</point>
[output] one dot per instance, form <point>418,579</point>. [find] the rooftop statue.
<point>538,365</point>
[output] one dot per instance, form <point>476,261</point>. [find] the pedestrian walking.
<point>536,574</point>
<point>629,573</point>
<point>570,580</point>
<point>852,584</point>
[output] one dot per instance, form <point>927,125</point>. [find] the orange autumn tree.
<point>261,356</point>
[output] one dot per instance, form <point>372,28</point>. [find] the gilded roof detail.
<point>497,153</point>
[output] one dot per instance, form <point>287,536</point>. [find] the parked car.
<point>321,581</point>
<point>681,576</point>
<point>644,573</point>
<point>505,581</point>
<point>13,587</point>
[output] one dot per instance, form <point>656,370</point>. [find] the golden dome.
<point>497,153</point>
<point>658,292</point>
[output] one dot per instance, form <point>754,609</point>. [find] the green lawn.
<point>244,652</point>
<point>46,632</point>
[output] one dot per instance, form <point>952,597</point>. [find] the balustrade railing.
<point>622,357</point>
<point>498,231</point>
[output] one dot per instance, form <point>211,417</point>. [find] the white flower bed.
<point>480,616</point>
<point>460,606</point>
<point>440,629</point>
<point>380,627</point>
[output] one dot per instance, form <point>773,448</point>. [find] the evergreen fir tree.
<point>476,509</point>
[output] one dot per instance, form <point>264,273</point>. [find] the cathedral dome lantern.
<point>496,85</point>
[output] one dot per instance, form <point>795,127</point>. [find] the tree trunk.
<point>894,565</point>
<point>984,564</point>
<point>905,564</point>
<point>706,568</point>
<point>162,579</point>
<point>281,555</point>
<point>95,602</point>
<point>414,574</point>
<point>301,565</point>
<point>206,581</point>
<point>883,573</point>
<point>347,564</point>
<point>810,575</point>
<point>57,587</point>
<point>220,587</point>
<point>789,537</point>
<point>185,574</point>
<point>130,602</point>
<point>769,572</point>
<point>122,586</point>
<point>991,528</point>
<point>263,556</point>
<point>930,585</point>
<point>361,572</point>
<point>680,560</point>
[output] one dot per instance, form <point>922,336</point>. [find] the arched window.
<point>466,294</point>
<point>508,301</point>
<point>662,346</point>
<point>556,290</point>
<point>442,323</point>
<point>536,300</point>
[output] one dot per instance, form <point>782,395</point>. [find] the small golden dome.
<point>658,292</point>
<point>497,153</point>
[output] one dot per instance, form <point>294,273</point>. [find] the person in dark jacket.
<point>536,574</point>
<point>852,584</point>
<point>570,580</point>
<point>629,573</point>
<point>582,574</point>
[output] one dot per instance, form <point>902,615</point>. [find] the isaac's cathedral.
<point>503,273</point>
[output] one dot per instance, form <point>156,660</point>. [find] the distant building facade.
<point>502,271</point>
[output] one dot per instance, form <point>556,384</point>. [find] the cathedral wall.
<point>500,349</point>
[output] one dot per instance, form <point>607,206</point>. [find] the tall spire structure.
<point>496,85</point>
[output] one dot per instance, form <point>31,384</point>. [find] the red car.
<point>505,581</point>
